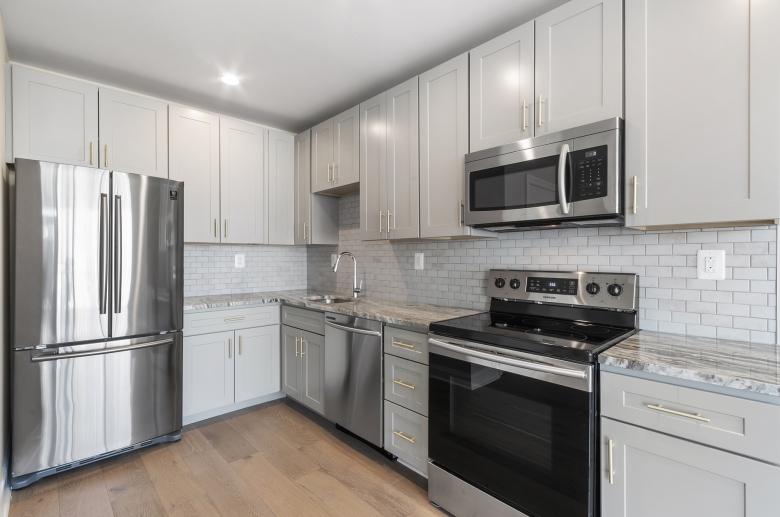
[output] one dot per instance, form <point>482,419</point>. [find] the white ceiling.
<point>300,61</point>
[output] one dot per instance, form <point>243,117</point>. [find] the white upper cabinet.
<point>322,156</point>
<point>133,133</point>
<point>193,144</point>
<point>242,183</point>
<point>698,71</point>
<point>402,180</point>
<point>55,118</point>
<point>346,148</point>
<point>373,166</point>
<point>579,64</point>
<point>280,198</point>
<point>502,89</point>
<point>302,187</point>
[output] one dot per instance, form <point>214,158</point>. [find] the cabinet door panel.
<point>579,64</point>
<point>280,199</point>
<point>671,125</point>
<point>208,372</point>
<point>502,89</point>
<point>403,163</point>
<point>133,133</point>
<point>302,188</point>
<point>346,147</point>
<point>444,142</point>
<point>313,371</point>
<point>373,163</point>
<point>194,159</point>
<point>55,119</point>
<point>655,474</point>
<point>291,366</point>
<point>242,184</point>
<point>322,156</point>
<point>257,362</point>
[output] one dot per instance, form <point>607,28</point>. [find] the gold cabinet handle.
<point>230,348</point>
<point>239,318</point>
<point>105,156</point>
<point>226,227</point>
<point>401,435</point>
<point>634,183</point>
<point>401,383</point>
<point>240,344</point>
<point>611,469</point>
<point>388,220</point>
<point>304,232</point>
<point>334,171</point>
<point>215,228</point>
<point>460,212</point>
<point>525,112</point>
<point>380,221</point>
<point>678,413</point>
<point>302,342</point>
<point>402,344</point>
<point>540,110</point>
<point>296,347</point>
<point>91,153</point>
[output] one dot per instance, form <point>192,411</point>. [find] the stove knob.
<point>514,283</point>
<point>593,288</point>
<point>614,289</point>
<point>500,282</point>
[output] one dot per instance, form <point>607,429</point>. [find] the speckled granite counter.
<point>732,364</point>
<point>405,314</point>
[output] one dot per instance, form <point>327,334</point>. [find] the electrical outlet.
<point>711,264</point>
<point>333,257</point>
<point>419,261</point>
<point>240,260</point>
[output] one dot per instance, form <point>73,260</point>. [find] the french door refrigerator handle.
<point>100,351</point>
<point>117,254</point>
<point>103,281</point>
<point>562,179</point>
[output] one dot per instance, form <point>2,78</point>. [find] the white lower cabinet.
<point>257,362</point>
<point>208,372</point>
<point>303,367</point>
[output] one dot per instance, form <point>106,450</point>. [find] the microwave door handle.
<point>562,159</point>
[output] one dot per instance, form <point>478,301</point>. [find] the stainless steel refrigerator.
<point>96,309</point>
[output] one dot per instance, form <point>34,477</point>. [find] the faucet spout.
<point>355,289</point>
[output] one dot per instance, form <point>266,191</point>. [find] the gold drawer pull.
<point>404,345</point>
<point>401,435</point>
<point>401,383</point>
<point>611,469</point>
<point>240,318</point>
<point>678,413</point>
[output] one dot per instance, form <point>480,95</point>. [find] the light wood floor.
<point>274,460</point>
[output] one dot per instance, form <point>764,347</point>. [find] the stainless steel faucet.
<point>355,289</point>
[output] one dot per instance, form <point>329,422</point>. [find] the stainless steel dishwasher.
<point>353,375</point>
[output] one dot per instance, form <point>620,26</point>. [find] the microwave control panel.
<point>590,173</point>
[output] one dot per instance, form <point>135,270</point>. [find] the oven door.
<point>519,427</point>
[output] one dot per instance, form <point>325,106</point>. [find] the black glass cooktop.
<point>566,339</point>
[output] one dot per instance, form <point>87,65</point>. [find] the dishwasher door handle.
<point>353,329</point>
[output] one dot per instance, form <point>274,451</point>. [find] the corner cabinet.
<point>680,170</point>
<point>316,216</point>
<point>280,197</point>
<point>303,363</point>
<point>133,133</point>
<point>55,118</point>
<point>335,154</point>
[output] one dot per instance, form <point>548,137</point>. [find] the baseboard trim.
<point>5,486</point>
<point>197,417</point>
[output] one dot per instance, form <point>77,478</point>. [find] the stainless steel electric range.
<point>513,407</point>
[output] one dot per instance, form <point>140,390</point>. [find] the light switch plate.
<point>333,257</point>
<point>711,264</point>
<point>240,260</point>
<point>419,261</point>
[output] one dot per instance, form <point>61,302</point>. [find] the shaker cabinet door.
<point>194,159</point>
<point>291,366</point>
<point>208,372</point>
<point>302,166</point>
<point>322,156</point>
<point>242,182</point>
<point>257,362</point>
<point>346,147</point>
<point>373,164</point>
<point>403,163</point>
<point>502,89</point>
<point>280,197</point>
<point>579,65</point>
<point>55,119</point>
<point>133,133</point>
<point>313,371</point>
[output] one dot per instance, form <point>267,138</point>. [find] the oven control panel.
<point>615,291</point>
<point>590,173</point>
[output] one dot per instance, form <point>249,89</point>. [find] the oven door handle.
<point>519,363</point>
<point>562,178</point>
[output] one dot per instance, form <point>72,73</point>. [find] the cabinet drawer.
<point>304,319</point>
<point>407,344</point>
<point>406,384</point>
<point>196,323</point>
<point>406,435</point>
<point>730,423</point>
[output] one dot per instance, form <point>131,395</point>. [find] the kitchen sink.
<point>328,299</point>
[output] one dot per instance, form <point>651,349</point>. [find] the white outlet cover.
<point>333,257</point>
<point>240,260</point>
<point>419,261</point>
<point>711,264</point>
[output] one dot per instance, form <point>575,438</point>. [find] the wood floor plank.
<point>282,495</point>
<point>174,482</point>
<point>192,442</point>
<point>287,459</point>
<point>428,511</point>
<point>335,498</point>
<point>420,495</point>
<point>386,498</point>
<point>225,487</point>
<point>40,499</point>
<point>227,441</point>
<point>129,487</point>
<point>291,431</point>
<point>83,493</point>
<point>200,507</point>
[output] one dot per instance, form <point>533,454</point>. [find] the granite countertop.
<point>732,364</point>
<point>406,314</point>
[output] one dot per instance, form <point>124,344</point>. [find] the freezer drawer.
<point>77,402</point>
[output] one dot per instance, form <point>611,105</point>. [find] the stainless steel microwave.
<point>572,178</point>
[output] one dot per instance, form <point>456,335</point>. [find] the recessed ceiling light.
<point>229,79</point>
